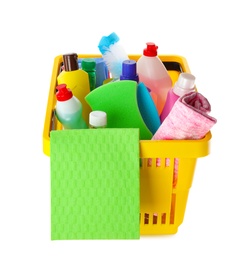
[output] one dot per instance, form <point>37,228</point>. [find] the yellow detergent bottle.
<point>76,80</point>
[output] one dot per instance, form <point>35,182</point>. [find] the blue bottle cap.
<point>129,71</point>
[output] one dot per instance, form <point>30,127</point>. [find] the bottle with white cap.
<point>97,119</point>
<point>183,85</point>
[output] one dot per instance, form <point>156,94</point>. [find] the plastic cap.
<point>106,41</point>
<point>151,50</point>
<point>98,118</point>
<point>184,84</point>
<point>129,71</point>
<point>63,93</point>
<point>88,64</point>
<point>70,62</point>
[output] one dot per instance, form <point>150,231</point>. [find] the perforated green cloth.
<point>95,185</point>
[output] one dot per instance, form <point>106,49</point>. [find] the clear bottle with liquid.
<point>154,75</point>
<point>69,109</point>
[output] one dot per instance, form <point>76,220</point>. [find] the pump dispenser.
<point>154,75</point>
<point>68,109</point>
<point>183,85</point>
<point>76,80</point>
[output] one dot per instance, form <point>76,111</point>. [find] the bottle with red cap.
<point>76,80</point>
<point>154,75</point>
<point>69,109</point>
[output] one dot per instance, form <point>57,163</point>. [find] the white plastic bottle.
<point>69,109</point>
<point>154,75</point>
<point>182,86</point>
<point>97,119</point>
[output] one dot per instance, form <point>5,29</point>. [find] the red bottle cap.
<point>151,50</point>
<point>63,93</point>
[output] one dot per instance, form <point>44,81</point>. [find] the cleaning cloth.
<point>188,119</point>
<point>95,184</point>
<point>119,100</point>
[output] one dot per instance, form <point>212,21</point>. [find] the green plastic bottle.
<point>89,65</point>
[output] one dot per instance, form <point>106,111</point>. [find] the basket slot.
<point>156,219</point>
<point>152,180</point>
<point>157,162</point>
<point>172,213</point>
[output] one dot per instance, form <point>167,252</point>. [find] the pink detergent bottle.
<point>183,85</point>
<point>154,75</point>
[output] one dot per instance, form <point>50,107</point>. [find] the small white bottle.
<point>97,119</point>
<point>69,109</point>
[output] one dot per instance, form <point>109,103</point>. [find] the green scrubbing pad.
<point>119,100</point>
<point>95,184</point>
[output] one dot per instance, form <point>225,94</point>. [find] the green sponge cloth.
<point>95,186</point>
<point>119,100</point>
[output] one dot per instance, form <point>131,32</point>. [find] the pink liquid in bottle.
<point>154,75</point>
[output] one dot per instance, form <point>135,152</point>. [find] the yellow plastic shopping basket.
<point>162,203</point>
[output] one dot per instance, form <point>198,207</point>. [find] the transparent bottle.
<point>154,75</point>
<point>69,109</point>
<point>97,119</point>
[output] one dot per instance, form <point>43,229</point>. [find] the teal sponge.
<point>119,100</point>
<point>95,186</point>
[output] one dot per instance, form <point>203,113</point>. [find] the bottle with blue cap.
<point>129,71</point>
<point>145,102</point>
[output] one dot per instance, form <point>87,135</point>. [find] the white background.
<point>32,34</point>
